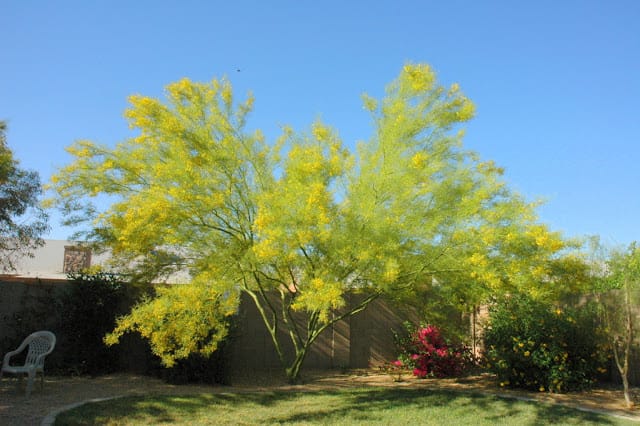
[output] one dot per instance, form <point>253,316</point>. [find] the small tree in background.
<point>620,283</point>
<point>22,220</point>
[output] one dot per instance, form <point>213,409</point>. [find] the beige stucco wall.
<point>48,261</point>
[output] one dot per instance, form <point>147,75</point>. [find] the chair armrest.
<point>20,348</point>
<point>8,355</point>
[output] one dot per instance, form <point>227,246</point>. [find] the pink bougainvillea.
<point>431,356</point>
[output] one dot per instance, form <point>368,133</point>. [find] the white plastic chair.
<point>40,344</point>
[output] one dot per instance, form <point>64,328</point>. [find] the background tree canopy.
<point>22,220</point>
<point>409,211</point>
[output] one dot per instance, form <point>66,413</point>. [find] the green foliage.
<point>624,268</point>
<point>302,218</point>
<point>619,285</point>
<point>88,311</point>
<point>22,220</point>
<point>534,345</point>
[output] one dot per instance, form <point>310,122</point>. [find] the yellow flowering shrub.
<point>534,345</point>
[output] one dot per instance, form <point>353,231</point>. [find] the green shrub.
<point>538,346</point>
<point>88,311</point>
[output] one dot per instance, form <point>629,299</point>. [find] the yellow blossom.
<point>419,159</point>
<point>467,111</point>
<point>320,132</point>
<point>420,77</point>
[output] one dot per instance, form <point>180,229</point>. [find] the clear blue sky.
<point>556,83</point>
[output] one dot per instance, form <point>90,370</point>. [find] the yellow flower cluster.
<point>140,113</point>
<point>266,249</point>
<point>320,295</point>
<point>545,239</point>
<point>321,132</point>
<point>478,259</point>
<point>421,77</point>
<point>419,159</point>
<point>467,111</point>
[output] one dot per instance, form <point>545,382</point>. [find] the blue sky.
<point>556,83</point>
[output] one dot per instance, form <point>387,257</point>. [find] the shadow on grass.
<point>165,408</point>
<point>366,406</point>
<point>355,406</point>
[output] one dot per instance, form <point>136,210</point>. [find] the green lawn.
<point>344,407</point>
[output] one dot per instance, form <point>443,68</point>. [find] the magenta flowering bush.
<point>429,354</point>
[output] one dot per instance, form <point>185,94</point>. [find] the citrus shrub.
<point>538,346</point>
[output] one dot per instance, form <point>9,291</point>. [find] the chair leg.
<point>32,376</point>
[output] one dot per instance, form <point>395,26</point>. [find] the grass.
<point>365,406</point>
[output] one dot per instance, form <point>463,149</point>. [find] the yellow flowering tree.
<point>303,218</point>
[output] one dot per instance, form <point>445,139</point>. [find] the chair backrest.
<point>40,343</point>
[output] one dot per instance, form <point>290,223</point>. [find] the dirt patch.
<point>59,392</point>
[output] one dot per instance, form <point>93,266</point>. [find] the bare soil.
<point>61,392</point>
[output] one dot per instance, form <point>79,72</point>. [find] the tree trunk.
<point>625,341</point>
<point>293,371</point>
<point>628,342</point>
<point>627,393</point>
<point>301,340</point>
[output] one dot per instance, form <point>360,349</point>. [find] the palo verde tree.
<point>619,285</point>
<point>297,223</point>
<point>22,220</point>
